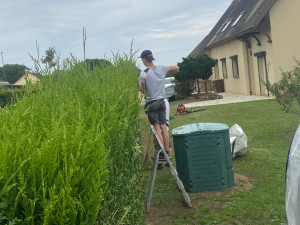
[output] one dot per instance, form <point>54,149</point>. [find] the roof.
<point>241,17</point>
<point>31,76</point>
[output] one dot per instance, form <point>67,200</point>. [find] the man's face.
<point>144,61</point>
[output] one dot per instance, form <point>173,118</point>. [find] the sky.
<point>171,29</point>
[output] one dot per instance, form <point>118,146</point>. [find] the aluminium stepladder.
<point>173,170</point>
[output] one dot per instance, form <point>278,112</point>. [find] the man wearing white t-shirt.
<point>153,85</point>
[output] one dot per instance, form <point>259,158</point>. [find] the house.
<point>253,41</point>
<point>22,80</point>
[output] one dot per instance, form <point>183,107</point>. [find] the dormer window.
<point>237,19</point>
<point>220,29</point>
<point>225,26</point>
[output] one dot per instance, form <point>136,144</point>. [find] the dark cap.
<point>147,54</point>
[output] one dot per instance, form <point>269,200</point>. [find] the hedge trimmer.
<point>181,110</point>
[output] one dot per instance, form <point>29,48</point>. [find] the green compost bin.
<point>203,156</point>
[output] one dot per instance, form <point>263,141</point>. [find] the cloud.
<point>164,26</point>
<point>182,26</point>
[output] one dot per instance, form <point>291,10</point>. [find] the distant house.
<point>22,79</point>
<point>252,42</point>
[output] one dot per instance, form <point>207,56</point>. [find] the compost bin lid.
<point>199,128</point>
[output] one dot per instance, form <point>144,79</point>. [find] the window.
<point>237,19</point>
<point>225,26</point>
<point>220,29</point>
<point>224,68</point>
<point>216,68</point>
<point>235,67</point>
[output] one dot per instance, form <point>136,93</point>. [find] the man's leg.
<point>157,118</point>
<point>166,139</point>
<point>158,131</point>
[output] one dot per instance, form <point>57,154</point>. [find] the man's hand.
<point>173,68</point>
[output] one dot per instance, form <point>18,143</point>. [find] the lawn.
<point>258,196</point>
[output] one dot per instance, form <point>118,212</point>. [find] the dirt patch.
<point>290,134</point>
<point>164,215</point>
<point>242,183</point>
<point>157,217</point>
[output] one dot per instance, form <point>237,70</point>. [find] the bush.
<point>69,150</point>
<point>287,90</point>
<point>192,69</point>
<point>2,96</point>
<point>184,88</point>
<point>7,95</point>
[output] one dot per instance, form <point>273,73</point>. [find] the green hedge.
<point>69,150</point>
<point>6,95</point>
<point>2,96</point>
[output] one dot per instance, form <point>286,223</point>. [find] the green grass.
<point>263,167</point>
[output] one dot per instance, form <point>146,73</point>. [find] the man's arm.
<point>143,88</point>
<point>142,82</point>
<point>173,68</point>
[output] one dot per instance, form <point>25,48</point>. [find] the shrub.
<point>184,88</point>
<point>192,69</point>
<point>69,150</point>
<point>287,90</point>
<point>2,96</point>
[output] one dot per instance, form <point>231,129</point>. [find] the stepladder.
<point>156,162</point>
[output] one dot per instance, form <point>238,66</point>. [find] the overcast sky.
<point>170,28</point>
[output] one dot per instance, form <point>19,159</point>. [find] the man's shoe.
<point>162,156</point>
<point>160,166</point>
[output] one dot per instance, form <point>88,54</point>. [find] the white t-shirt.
<point>155,82</point>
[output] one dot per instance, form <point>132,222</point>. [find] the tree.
<point>50,58</point>
<point>191,68</point>
<point>287,90</point>
<point>92,63</point>
<point>12,72</point>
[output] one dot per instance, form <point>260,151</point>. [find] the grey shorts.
<point>156,111</point>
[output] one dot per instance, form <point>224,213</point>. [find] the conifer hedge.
<point>69,149</point>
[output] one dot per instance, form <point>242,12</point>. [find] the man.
<point>153,85</point>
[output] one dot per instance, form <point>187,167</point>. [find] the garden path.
<point>227,98</point>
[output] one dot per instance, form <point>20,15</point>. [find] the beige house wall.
<point>235,47</point>
<point>280,53</point>
<point>264,47</point>
<point>231,48</point>
<point>284,18</point>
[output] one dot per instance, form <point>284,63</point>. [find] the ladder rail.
<point>151,184</point>
<point>173,170</point>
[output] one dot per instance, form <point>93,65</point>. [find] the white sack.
<point>238,140</point>
<point>292,196</point>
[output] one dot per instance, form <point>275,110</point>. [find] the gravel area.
<point>227,98</point>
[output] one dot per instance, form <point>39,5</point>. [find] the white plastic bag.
<point>238,141</point>
<point>292,196</point>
